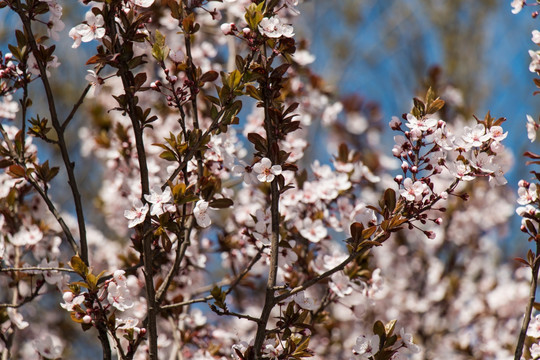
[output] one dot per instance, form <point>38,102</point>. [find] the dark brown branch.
<point>530,305</point>
<point>69,165</point>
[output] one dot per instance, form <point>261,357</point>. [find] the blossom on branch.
<point>266,170</point>
<point>137,215</point>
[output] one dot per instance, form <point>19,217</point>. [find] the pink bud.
<point>87,319</point>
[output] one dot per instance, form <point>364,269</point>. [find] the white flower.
<point>340,284</point>
<point>534,66</point>
<point>246,172</point>
<point>143,3</point>
<point>365,348</point>
<point>17,319</point>
<point>460,170</point>
<point>27,236</point>
<point>314,231</point>
<point>532,126</point>
<point>497,134</point>
<point>119,296</point>
<point>534,327</point>
<point>303,57</point>
<point>517,5</point>
<point>527,195</point>
<point>304,302</point>
<point>201,214</point>
<point>273,28</point>
<point>422,124</point>
<point>138,215</point>
<point>413,191</point>
<point>536,37</point>
<point>475,135</point>
<point>407,340</point>
<point>128,323</point>
<point>48,347</point>
<point>159,200</point>
<point>266,170</point>
<point>95,80</point>
<point>70,301</point>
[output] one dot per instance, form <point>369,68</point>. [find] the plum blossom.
<point>71,301</point>
<point>27,236</point>
<point>534,66</point>
<point>340,284</point>
<point>517,5</point>
<point>137,215</point>
<point>460,170</point>
<point>118,293</point>
<point>314,231</point>
<point>17,319</point>
<point>270,350</point>
<point>476,135</point>
<point>92,29</point>
<point>142,3</point>
<point>95,80</point>
<point>535,36</point>
<point>303,57</point>
<point>266,170</point>
<point>246,172</point>
<point>305,302</point>
<point>413,191</point>
<point>422,124</point>
<point>534,327</point>
<point>407,340</point>
<point>128,323</point>
<point>273,28</point>
<point>365,348</point>
<point>527,194</point>
<point>201,214</point>
<point>160,201</point>
<point>532,127</point>
<point>48,347</point>
<point>8,108</point>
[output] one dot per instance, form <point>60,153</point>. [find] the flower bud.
<point>68,296</point>
<point>87,319</point>
<point>404,166</point>
<point>227,28</point>
<point>398,179</point>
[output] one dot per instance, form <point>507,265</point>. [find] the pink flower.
<point>273,28</point>
<point>413,191</point>
<point>48,347</point>
<point>365,348</point>
<point>266,170</point>
<point>16,318</point>
<point>314,231</point>
<point>340,284</point>
<point>137,215</point>
<point>119,296</point>
<point>159,200</point>
<point>201,214</point>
